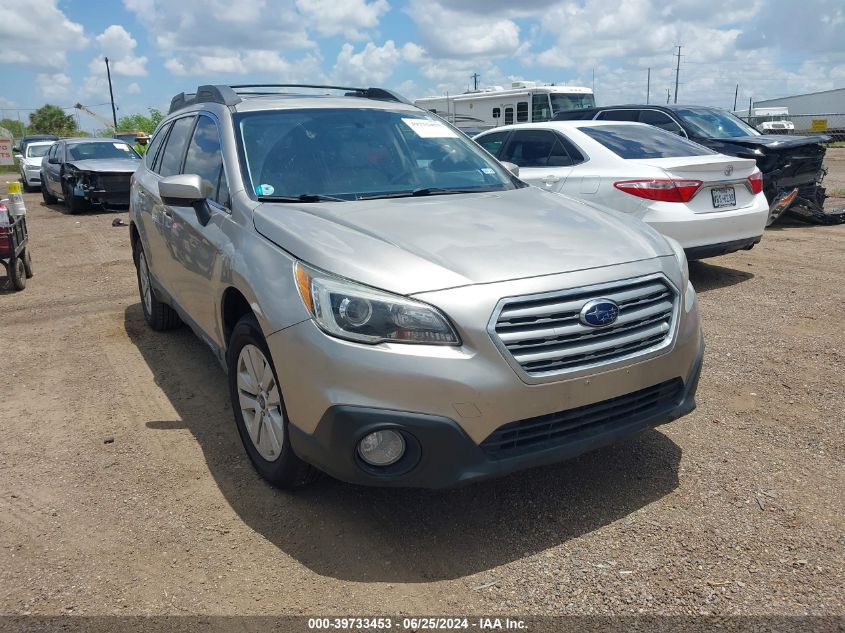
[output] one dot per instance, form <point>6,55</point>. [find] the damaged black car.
<point>88,171</point>
<point>791,165</point>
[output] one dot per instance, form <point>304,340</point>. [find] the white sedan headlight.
<point>352,311</point>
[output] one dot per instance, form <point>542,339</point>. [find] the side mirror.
<point>512,168</point>
<point>186,190</point>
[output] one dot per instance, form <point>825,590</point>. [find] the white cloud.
<point>266,63</point>
<point>37,34</point>
<point>343,17</point>
<point>53,87</point>
<point>118,45</point>
<point>371,66</point>
<point>133,88</point>
<point>450,33</point>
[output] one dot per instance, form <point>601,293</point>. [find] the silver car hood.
<point>111,165</point>
<point>412,245</point>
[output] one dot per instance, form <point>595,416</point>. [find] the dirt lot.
<point>735,509</point>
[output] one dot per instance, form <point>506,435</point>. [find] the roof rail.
<point>205,94</point>
<point>381,94</point>
<point>231,95</point>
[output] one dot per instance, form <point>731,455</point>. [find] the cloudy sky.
<point>52,50</point>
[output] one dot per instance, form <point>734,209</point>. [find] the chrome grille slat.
<point>582,331</point>
<point>574,304</point>
<point>544,335</point>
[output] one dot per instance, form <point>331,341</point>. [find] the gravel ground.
<point>735,509</point>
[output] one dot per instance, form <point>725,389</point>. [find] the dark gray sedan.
<point>88,170</point>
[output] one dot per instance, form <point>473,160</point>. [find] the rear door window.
<point>661,120</point>
<point>641,141</point>
<point>619,115</point>
<point>174,151</point>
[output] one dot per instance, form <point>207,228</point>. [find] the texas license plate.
<point>723,197</point>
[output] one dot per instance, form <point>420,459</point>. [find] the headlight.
<point>682,260</point>
<point>359,313</point>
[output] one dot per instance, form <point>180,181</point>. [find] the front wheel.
<point>73,204</point>
<point>259,408</point>
<point>48,197</point>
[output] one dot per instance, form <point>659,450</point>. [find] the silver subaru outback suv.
<point>391,304</point>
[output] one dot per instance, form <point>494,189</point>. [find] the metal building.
<point>815,111</point>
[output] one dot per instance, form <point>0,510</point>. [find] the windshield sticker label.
<point>488,171</point>
<point>265,190</point>
<point>428,128</point>
<point>121,146</point>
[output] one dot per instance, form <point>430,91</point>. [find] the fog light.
<point>382,448</point>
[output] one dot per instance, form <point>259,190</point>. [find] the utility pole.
<point>111,94</point>
<point>475,77</point>
<point>648,86</point>
<point>677,72</point>
<point>750,100</point>
<point>736,96</point>
<point>668,92</point>
<point>594,81</point>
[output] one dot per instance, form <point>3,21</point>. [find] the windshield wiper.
<point>303,197</point>
<point>425,191</point>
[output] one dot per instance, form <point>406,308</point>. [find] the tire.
<point>27,263</point>
<point>159,316</point>
<point>48,197</point>
<point>73,204</point>
<point>265,437</point>
<point>25,186</point>
<point>18,274</point>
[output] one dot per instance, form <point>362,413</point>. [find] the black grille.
<point>548,431</point>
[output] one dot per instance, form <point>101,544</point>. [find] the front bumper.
<point>453,399</point>
<point>440,454</point>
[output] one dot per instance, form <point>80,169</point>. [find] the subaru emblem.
<point>599,313</point>
<point>729,170</point>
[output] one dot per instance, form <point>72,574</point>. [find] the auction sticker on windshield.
<point>427,128</point>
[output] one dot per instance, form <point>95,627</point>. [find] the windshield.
<point>37,151</point>
<point>562,102</point>
<point>715,123</point>
<point>86,151</point>
<point>349,154</point>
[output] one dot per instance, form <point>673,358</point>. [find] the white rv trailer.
<point>523,102</point>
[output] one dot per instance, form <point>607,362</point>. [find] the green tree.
<point>139,122</point>
<point>14,126</point>
<point>50,119</point>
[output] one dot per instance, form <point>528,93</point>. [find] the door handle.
<point>550,179</point>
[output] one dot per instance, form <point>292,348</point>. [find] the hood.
<point>412,245</point>
<point>32,162</point>
<point>771,141</point>
<point>112,165</point>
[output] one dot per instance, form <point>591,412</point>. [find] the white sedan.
<point>30,164</point>
<point>712,204</point>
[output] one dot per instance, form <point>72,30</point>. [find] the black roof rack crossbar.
<point>205,94</point>
<point>231,95</point>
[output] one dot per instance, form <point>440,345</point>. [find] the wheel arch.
<point>233,307</point>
